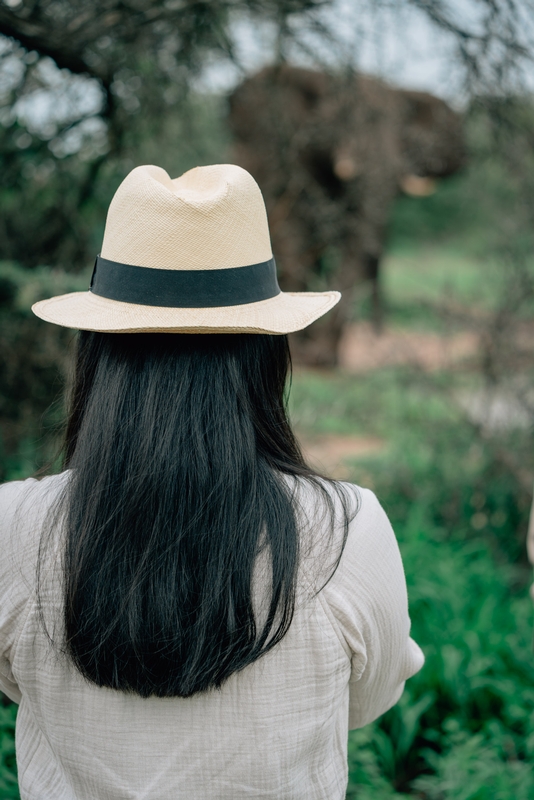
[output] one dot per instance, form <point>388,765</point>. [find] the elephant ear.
<point>432,141</point>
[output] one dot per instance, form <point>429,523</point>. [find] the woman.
<point>188,611</point>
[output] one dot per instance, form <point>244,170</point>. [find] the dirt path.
<point>331,454</point>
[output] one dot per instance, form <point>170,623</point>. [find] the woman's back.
<point>189,610</point>
<point>276,729</point>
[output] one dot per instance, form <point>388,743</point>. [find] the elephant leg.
<point>297,265</point>
<point>318,345</point>
<point>356,269</point>
<point>372,274</point>
<point>295,259</point>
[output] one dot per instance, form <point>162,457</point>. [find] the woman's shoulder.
<point>339,503</point>
<point>23,508</point>
<point>370,543</point>
<point>345,528</point>
<point>31,493</point>
<point>350,522</point>
<point>368,584</point>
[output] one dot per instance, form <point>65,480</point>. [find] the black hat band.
<point>190,288</point>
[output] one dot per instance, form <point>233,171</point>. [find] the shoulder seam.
<point>334,624</point>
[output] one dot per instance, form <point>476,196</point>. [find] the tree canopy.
<point>84,86</point>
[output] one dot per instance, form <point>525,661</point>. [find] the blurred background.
<point>394,144</point>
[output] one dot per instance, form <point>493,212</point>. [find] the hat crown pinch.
<point>210,218</point>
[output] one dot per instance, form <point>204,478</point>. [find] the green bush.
<point>464,728</point>
<point>34,360</point>
<point>8,780</point>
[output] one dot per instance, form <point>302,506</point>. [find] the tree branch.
<point>34,37</point>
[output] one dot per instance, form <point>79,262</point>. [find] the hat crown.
<point>209,218</point>
<point>190,255</point>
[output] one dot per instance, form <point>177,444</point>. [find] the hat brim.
<point>285,313</point>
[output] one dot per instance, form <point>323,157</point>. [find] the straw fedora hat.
<point>189,255</point>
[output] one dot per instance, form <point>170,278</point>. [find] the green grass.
<point>378,403</point>
<point>422,280</point>
<point>416,276</point>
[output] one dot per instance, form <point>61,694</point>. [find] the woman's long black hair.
<point>178,445</point>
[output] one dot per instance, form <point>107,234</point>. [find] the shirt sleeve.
<point>368,598</point>
<point>14,586</point>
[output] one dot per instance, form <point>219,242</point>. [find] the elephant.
<point>331,153</point>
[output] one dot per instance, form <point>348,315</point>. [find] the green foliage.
<point>417,277</point>
<point>441,215</point>
<point>474,769</point>
<point>63,201</point>
<point>462,485</point>
<point>8,780</point>
<point>33,367</point>
<point>464,728</point>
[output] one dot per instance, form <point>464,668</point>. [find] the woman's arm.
<point>368,598</point>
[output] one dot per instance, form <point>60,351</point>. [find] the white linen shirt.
<point>276,730</point>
